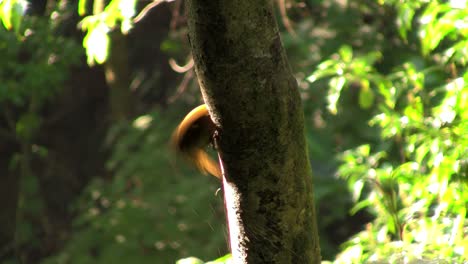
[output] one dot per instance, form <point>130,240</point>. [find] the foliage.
<point>34,69</point>
<point>97,26</point>
<point>150,209</point>
<point>389,103</point>
<point>223,260</point>
<point>414,178</point>
<point>11,13</point>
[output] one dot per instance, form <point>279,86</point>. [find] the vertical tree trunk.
<point>117,73</point>
<point>254,100</point>
<point>118,78</point>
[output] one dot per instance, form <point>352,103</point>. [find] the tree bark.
<point>117,72</point>
<point>118,78</point>
<point>253,98</point>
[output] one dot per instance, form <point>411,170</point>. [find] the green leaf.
<point>366,95</point>
<point>96,43</point>
<point>336,85</point>
<point>363,150</point>
<point>361,205</point>
<point>88,23</point>
<point>321,74</point>
<point>346,53</point>
<point>82,4</point>
<point>127,9</point>
<point>405,17</point>
<point>372,57</point>
<point>12,12</point>
<point>6,14</point>
<point>357,189</point>
<point>437,22</point>
<point>324,69</point>
<point>190,260</point>
<point>222,260</point>
<point>414,111</point>
<point>17,13</point>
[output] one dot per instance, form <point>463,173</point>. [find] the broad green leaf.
<point>11,13</point>
<point>364,150</point>
<point>462,103</point>
<point>387,90</point>
<point>366,95</point>
<point>360,205</point>
<point>414,111</point>
<point>357,189</point>
<point>405,18</point>
<point>372,57</point>
<point>127,8</point>
<point>82,4</point>
<point>190,260</point>
<point>96,43</point>
<point>222,260</point>
<point>126,26</point>
<point>88,23</point>
<point>336,85</point>
<point>437,22</point>
<point>446,111</point>
<point>346,53</point>
<point>6,13</point>
<point>321,74</point>
<point>458,4</point>
<point>327,65</point>
<point>324,69</point>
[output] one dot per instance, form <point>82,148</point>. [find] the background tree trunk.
<point>253,97</point>
<point>118,78</point>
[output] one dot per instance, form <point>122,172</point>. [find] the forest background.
<point>90,92</point>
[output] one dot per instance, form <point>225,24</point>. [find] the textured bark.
<point>254,100</point>
<point>118,78</point>
<point>117,72</point>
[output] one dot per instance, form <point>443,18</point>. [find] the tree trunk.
<point>118,78</point>
<point>117,72</point>
<point>254,100</point>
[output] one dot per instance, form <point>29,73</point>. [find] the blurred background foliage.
<point>91,91</point>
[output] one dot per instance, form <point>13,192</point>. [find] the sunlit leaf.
<point>415,110</point>
<point>222,260</point>
<point>346,53</point>
<point>357,189</point>
<point>360,205</point>
<point>336,85</point>
<point>366,95</point>
<point>127,8</point>
<point>190,260</point>
<point>324,69</point>
<point>405,18</point>
<point>82,5</point>
<point>12,12</point>
<point>96,43</point>
<point>126,25</point>
<point>6,13</point>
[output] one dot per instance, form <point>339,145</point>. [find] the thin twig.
<point>175,15</point>
<point>181,69</point>
<point>285,18</point>
<point>146,10</point>
<point>182,86</point>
